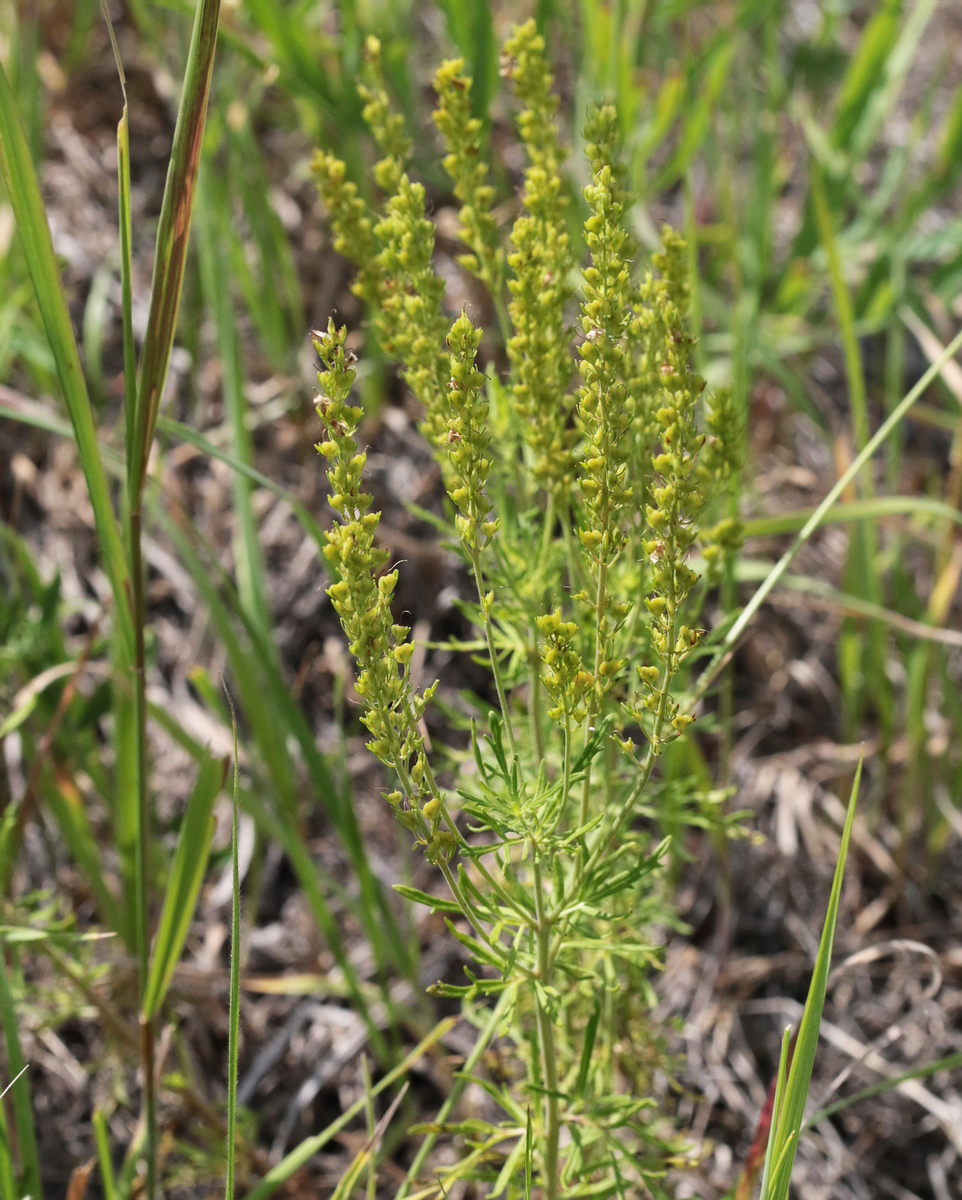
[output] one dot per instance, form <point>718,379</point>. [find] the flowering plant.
<point>581,536</point>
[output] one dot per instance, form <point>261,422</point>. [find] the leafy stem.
<point>546,1035</point>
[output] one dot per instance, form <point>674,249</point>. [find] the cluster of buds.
<point>685,467</point>
<point>386,125</point>
<point>410,322</point>
<point>675,498</point>
<point>351,223</point>
<point>603,413</point>
<point>569,684</point>
<point>395,254</point>
<point>541,261</point>
<point>628,445</point>
<point>465,438</point>
<point>656,711</point>
<point>469,174</point>
<point>362,595</point>
<point>718,462</point>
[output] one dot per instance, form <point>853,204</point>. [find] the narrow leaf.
<point>790,1110</point>
<point>20,1090</point>
<point>172,230</point>
<point>436,903</point>
<point>184,882</point>
<point>23,190</point>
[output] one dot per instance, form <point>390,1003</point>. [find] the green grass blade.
<point>172,231</point>
<point>528,1157</point>
<point>292,53</point>
<point>854,371</point>
<point>185,434</point>
<point>127,1182</point>
<point>67,807</point>
<point>845,603</point>
<point>125,814</point>
<point>126,248</point>
<point>703,98</point>
<point>471,27</point>
<point>789,1113</point>
<point>949,159</point>
<point>216,281</point>
<point>23,190</point>
<point>664,110</point>
<point>183,883</point>
<point>93,332</point>
<point>130,806</point>
<point>861,651</point>
<point>781,1076</point>
<point>233,1021</point>
<point>258,685</point>
<point>858,463</point>
<point>24,43</point>
<point>888,78</point>
<point>950,1062</point>
<point>8,1184</point>
<point>865,69</point>
<point>303,1153</point>
<point>857,510</point>
<point>166,284</point>
<point>20,1092</point>
<point>261,258</point>
<point>104,1160</point>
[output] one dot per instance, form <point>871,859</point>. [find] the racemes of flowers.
<point>580,534</point>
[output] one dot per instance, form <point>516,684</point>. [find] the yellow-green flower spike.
<point>394,254</point>
<point>565,677</point>
<point>410,322</point>
<point>386,125</point>
<point>602,412</point>
<point>362,594</point>
<point>541,261</point>
<point>351,221</point>
<point>464,438</point>
<point>464,163</point>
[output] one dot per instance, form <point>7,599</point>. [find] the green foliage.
<point>721,102</point>
<point>119,531</point>
<point>558,887</point>
<point>795,1075</point>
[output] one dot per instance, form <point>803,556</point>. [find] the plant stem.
<point>147,1049</point>
<point>449,876</point>
<point>546,1040</point>
<point>645,774</point>
<point>534,699</point>
<point>565,772</point>
<point>492,650</point>
<point>601,653</point>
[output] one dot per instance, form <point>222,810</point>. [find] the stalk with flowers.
<point>580,537</point>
